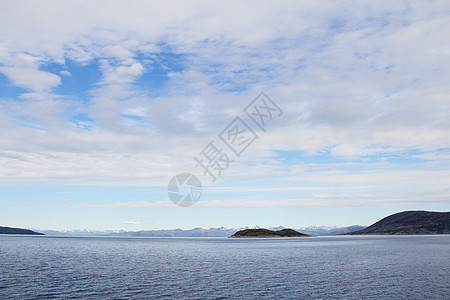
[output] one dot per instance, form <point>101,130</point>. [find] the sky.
<point>102,103</point>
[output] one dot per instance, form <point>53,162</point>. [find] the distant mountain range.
<point>198,232</point>
<point>410,222</point>
<point>323,230</point>
<point>10,230</point>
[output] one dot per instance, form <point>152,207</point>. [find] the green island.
<point>266,233</point>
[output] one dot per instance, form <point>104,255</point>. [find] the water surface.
<point>344,267</point>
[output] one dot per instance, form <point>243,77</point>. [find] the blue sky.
<point>102,102</point>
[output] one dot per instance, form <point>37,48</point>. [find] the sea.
<point>333,267</point>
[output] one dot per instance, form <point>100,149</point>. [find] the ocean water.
<point>342,267</point>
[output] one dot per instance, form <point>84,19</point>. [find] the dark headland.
<point>410,222</point>
<point>263,233</point>
<point>10,230</point>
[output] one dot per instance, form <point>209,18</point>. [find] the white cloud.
<point>125,72</point>
<point>360,79</point>
<point>65,73</point>
<point>31,78</point>
<point>134,223</point>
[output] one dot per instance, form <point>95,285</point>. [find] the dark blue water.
<point>354,267</point>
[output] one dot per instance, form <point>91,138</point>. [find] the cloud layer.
<point>358,82</point>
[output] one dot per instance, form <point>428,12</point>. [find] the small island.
<point>266,233</point>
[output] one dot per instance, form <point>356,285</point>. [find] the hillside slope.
<point>410,222</point>
<point>10,230</point>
